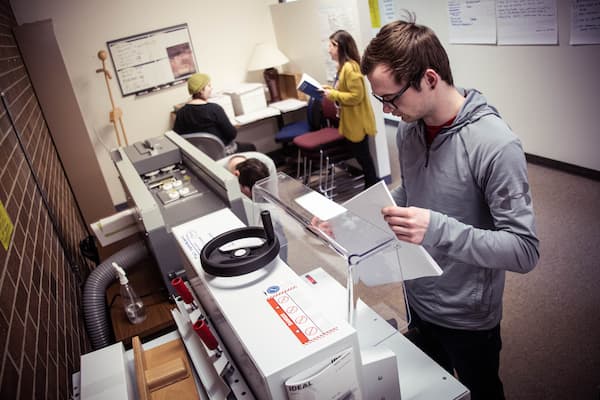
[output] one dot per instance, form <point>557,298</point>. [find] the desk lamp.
<point>267,57</point>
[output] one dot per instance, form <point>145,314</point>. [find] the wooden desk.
<point>148,284</point>
<point>262,132</point>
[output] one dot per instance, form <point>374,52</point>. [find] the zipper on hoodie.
<point>427,147</point>
<point>430,133</point>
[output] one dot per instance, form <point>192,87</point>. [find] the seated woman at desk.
<point>198,115</point>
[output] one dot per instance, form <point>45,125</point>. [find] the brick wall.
<point>41,328</point>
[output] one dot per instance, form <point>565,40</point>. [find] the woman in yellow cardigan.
<point>350,96</point>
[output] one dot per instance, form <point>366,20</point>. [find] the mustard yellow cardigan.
<point>356,114</point>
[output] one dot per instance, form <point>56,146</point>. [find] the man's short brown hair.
<point>407,49</point>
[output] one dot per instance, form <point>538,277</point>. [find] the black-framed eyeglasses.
<point>391,100</point>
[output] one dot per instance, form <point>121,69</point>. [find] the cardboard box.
<point>288,82</point>
<point>247,98</point>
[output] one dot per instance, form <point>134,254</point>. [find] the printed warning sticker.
<point>300,316</point>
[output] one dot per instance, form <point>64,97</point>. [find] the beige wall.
<point>43,58</point>
<point>308,51</point>
<point>549,95</point>
<point>223,35</point>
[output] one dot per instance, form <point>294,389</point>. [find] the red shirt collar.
<point>432,130</point>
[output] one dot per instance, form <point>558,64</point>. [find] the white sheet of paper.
<point>320,206</point>
<point>415,261</point>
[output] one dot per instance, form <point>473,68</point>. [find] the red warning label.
<point>286,318</point>
<point>301,318</point>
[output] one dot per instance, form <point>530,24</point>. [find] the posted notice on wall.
<point>6,227</point>
<point>523,22</point>
<point>472,22</point>
<point>585,22</point>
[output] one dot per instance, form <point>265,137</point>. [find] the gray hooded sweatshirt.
<point>473,178</point>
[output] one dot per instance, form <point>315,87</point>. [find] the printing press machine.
<point>296,329</point>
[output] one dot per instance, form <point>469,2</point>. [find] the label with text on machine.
<point>302,318</point>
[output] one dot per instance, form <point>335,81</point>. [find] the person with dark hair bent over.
<point>199,115</point>
<point>249,172</point>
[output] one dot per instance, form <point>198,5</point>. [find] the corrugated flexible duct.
<point>94,292</point>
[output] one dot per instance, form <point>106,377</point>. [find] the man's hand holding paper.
<point>409,224</point>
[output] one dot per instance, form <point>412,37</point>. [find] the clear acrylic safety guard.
<point>321,233</point>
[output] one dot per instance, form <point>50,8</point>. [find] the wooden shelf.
<point>148,284</point>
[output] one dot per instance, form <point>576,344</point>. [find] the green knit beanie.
<point>197,82</point>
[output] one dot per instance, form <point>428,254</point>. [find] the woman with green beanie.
<point>199,115</point>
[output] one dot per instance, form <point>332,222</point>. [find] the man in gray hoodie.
<point>464,196</point>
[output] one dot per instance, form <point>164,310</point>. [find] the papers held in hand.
<point>362,213</point>
<point>415,261</point>
<point>310,86</point>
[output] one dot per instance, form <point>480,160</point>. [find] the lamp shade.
<point>264,56</point>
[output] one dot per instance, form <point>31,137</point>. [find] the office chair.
<point>325,145</point>
<point>312,122</point>
<point>210,144</point>
<point>288,132</point>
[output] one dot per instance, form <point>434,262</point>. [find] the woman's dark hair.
<point>251,171</point>
<point>346,46</point>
